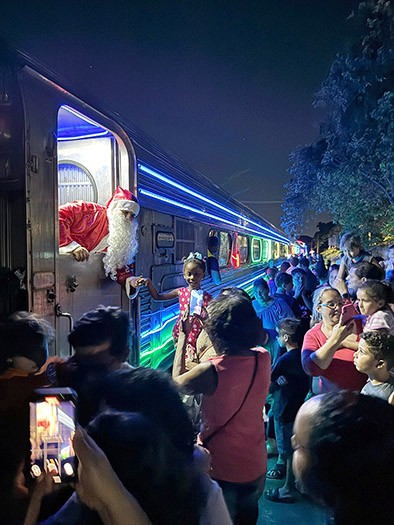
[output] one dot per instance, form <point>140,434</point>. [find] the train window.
<point>275,250</point>
<point>266,255</point>
<point>75,183</point>
<point>224,249</point>
<point>243,248</point>
<point>185,239</point>
<point>257,249</point>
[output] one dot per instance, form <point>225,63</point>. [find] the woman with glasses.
<point>329,345</point>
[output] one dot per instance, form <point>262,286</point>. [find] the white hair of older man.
<point>122,242</point>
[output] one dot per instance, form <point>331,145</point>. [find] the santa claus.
<point>86,227</point>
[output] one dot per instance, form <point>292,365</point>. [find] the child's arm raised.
<point>160,296</point>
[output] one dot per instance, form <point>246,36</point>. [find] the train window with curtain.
<point>184,239</point>
<point>224,249</point>
<point>243,248</point>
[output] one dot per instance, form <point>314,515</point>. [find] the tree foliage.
<point>349,171</point>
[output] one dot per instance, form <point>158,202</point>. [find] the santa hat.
<point>125,200</point>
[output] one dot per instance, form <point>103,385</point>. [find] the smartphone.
<point>53,413</point>
<point>348,312</point>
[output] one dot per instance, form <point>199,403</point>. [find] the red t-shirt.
<point>341,374</point>
<point>238,452</point>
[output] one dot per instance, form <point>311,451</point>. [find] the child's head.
<point>261,290</point>
<point>272,272</point>
<point>194,270</point>
<point>284,281</point>
<point>289,332</point>
<point>350,244</point>
<point>372,296</point>
<point>333,274</point>
<point>375,352</point>
<point>299,276</point>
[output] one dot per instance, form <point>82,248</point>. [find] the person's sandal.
<point>278,472</point>
<point>275,496</point>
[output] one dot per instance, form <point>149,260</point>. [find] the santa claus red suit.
<point>86,227</point>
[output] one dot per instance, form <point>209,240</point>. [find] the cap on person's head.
<point>125,200</point>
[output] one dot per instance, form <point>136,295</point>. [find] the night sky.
<point>228,86</point>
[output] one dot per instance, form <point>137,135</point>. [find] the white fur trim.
<point>132,206</point>
<point>69,248</point>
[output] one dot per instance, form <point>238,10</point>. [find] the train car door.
<point>80,156</point>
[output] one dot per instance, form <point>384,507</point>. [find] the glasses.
<point>332,305</point>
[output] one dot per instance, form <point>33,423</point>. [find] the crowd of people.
<point>304,365</point>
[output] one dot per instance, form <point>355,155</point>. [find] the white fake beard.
<point>122,242</point>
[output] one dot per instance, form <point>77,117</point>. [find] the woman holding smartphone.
<point>330,344</point>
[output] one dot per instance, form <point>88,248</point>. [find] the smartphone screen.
<point>52,427</point>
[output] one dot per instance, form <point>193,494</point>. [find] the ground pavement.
<point>302,512</point>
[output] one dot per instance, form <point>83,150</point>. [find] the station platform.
<point>302,512</point>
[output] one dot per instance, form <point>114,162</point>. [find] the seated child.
<point>375,357</point>
<point>290,385</point>
<point>373,300</point>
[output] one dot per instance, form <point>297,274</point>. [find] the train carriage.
<point>55,147</point>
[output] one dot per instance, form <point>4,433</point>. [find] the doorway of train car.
<point>92,162</point>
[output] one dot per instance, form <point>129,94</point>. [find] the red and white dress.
<point>192,305</point>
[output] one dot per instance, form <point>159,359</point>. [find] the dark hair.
<point>154,394</point>
<point>24,335</point>
<point>105,323</point>
<point>293,328</point>
<point>233,324</point>
<point>261,283</point>
<point>195,259</point>
<point>351,458</point>
<point>333,267</point>
<point>368,270</point>
<point>298,270</point>
<point>377,291</point>
<point>321,269</point>
<point>284,266</point>
<point>350,240</point>
<point>294,260</point>
<point>303,262</point>
<point>272,271</point>
<point>381,345</point>
<point>282,279</point>
<point>232,290</point>
<point>150,467</point>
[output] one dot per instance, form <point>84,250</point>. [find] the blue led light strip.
<point>199,212</point>
<point>205,199</point>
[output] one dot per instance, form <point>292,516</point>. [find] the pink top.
<point>341,374</point>
<point>380,320</point>
<point>238,450</point>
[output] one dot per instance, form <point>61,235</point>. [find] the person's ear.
<point>381,364</point>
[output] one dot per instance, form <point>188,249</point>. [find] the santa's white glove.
<point>131,289</point>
